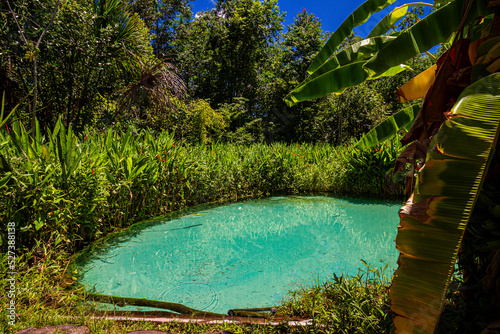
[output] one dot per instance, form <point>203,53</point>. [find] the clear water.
<point>248,254</point>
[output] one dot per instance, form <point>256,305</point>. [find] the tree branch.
<point>18,25</point>
<point>50,23</point>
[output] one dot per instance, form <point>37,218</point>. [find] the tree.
<point>87,42</point>
<point>164,19</point>
<point>221,51</point>
<point>451,143</point>
<point>33,49</point>
<point>302,40</point>
<point>154,95</point>
<point>287,66</point>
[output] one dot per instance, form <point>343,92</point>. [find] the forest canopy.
<point>217,75</point>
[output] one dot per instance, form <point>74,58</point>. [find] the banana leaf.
<point>385,55</point>
<point>357,52</point>
<point>434,29</point>
<point>434,219</point>
<point>417,87</point>
<point>358,17</point>
<point>388,127</point>
<point>335,81</point>
<point>388,21</point>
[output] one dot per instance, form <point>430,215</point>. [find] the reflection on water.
<point>248,254</point>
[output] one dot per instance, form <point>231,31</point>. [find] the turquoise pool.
<point>247,254</point>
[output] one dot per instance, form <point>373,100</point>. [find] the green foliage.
<point>156,94</point>
<point>358,304</point>
<point>164,19</point>
<point>77,188</point>
<point>86,53</point>
<point>4,120</point>
<point>206,125</point>
<point>389,127</point>
<point>302,40</point>
<point>370,171</point>
<point>40,294</point>
<point>291,57</point>
<point>222,50</point>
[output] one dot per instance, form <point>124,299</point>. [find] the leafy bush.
<point>206,125</point>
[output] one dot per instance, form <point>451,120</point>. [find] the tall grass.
<point>76,188</point>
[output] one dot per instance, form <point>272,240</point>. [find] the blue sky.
<point>331,12</point>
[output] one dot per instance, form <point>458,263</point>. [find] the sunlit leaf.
<point>358,17</point>
<point>388,21</point>
<point>417,87</point>
<point>335,81</point>
<point>434,29</point>
<point>388,127</point>
<point>359,51</point>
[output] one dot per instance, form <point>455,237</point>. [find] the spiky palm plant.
<point>155,92</point>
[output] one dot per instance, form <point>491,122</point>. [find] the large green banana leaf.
<point>382,55</point>
<point>357,18</point>
<point>434,29</point>
<point>358,52</point>
<point>335,81</point>
<point>388,127</point>
<point>331,77</point>
<point>434,219</point>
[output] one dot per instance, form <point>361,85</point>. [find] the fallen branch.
<point>126,301</point>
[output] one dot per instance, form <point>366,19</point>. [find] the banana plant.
<point>451,141</point>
